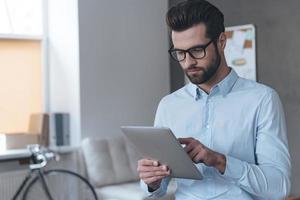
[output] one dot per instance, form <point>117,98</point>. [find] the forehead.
<point>195,35</point>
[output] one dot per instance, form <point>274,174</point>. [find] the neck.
<point>221,73</point>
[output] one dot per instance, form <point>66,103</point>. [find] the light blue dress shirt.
<point>241,119</point>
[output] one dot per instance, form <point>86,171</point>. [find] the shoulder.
<point>255,89</point>
<point>183,93</point>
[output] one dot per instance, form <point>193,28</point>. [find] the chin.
<point>197,80</point>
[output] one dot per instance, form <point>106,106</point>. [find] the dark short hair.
<point>192,12</point>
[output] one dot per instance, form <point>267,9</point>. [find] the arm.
<point>154,177</point>
<point>269,177</point>
<point>156,185</point>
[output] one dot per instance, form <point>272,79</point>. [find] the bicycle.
<point>43,184</point>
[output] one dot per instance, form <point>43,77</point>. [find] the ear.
<point>222,41</point>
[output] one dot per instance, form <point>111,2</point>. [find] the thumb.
<point>184,140</point>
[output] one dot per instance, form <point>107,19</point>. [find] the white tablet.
<point>161,144</point>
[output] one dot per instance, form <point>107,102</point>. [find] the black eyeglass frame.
<point>189,51</point>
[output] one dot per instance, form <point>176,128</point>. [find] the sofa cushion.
<point>130,191</point>
<point>110,161</point>
<point>125,191</point>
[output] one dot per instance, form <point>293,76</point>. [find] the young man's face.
<point>201,70</point>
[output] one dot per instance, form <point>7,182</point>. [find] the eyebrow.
<point>199,45</point>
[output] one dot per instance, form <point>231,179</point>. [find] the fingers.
<point>151,170</point>
<point>185,141</point>
<point>198,158</point>
<point>148,162</point>
<point>192,145</point>
<point>153,166</point>
<point>154,179</point>
<point>150,165</point>
<point>194,149</point>
<point>197,154</point>
<point>150,174</point>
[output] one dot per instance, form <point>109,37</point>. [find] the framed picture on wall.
<point>240,50</point>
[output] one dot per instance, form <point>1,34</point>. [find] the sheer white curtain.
<point>21,17</point>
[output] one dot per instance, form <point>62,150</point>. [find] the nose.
<point>189,60</point>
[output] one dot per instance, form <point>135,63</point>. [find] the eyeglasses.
<point>196,52</point>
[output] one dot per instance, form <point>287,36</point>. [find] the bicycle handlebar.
<point>40,156</point>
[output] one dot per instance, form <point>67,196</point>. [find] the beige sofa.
<point>111,165</point>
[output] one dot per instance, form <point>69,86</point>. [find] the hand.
<point>152,172</point>
<point>201,154</point>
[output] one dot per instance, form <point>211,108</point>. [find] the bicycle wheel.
<point>62,185</point>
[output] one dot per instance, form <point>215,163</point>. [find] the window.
<point>20,83</point>
<point>21,70</point>
<point>21,17</point>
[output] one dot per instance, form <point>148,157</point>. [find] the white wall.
<point>63,63</point>
<point>124,69</point>
<point>119,73</point>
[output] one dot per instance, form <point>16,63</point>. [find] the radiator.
<point>12,175</point>
<point>9,182</point>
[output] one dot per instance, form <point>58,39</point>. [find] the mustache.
<point>195,67</point>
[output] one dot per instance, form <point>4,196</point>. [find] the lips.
<point>194,70</point>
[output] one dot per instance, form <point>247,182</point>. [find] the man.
<point>232,128</point>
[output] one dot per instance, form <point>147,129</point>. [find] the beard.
<point>203,74</point>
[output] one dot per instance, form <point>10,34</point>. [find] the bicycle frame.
<point>31,177</point>
<point>40,158</point>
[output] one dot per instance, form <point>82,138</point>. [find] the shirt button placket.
<point>209,121</point>
<point>207,114</point>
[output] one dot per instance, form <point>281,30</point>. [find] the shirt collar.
<point>228,82</point>
<point>224,86</point>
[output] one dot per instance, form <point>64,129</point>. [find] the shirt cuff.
<point>234,169</point>
<point>161,191</point>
